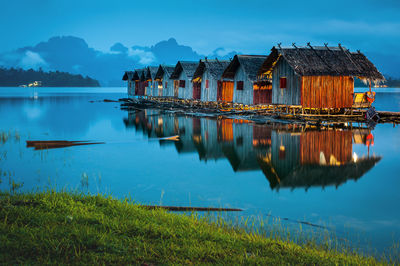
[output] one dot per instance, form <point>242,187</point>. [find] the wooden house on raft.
<point>316,77</point>
<point>151,86</point>
<point>128,76</point>
<point>240,83</point>
<point>182,76</point>
<point>207,79</point>
<point>164,83</point>
<point>138,78</point>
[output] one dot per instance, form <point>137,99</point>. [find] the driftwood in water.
<point>184,209</point>
<point>54,144</point>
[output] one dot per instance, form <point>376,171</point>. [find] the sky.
<point>251,26</point>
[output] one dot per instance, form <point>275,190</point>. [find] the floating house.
<point>150,76</point>
<point>138,78</point>
<point>316,77</point>
<point>240,80</point>
<point>164,83</point>
<point>207,79</point>
<point>182,76</point>
<point>128,76</point>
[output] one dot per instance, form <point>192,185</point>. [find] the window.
<point>182,83</point>
<point>282,83</point>
<point>166,84</point>
<point>239,85</point>
<point>207,85</point>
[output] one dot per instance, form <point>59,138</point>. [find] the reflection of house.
<point>207,79</point>
<point>290,156</point>
<point>164,84</point>
<point>240,80</point>
<point>312,158</point>
<point>182,76</point>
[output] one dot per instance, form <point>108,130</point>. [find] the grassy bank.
<point>65,228</point>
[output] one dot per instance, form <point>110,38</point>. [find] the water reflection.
<point>290,156</point>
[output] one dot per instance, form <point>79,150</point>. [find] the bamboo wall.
<point>226,92</point>
<point>332,144</point>
<point>262,94</point>
<point>187,91</point>
<point>327,91</point>
<point>291,95</point>
<point>244,96</point>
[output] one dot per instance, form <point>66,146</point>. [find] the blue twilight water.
<point>345,179</point>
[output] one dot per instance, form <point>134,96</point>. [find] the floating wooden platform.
<point>293,113</point>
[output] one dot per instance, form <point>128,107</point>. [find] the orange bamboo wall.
<point>327,91</point>
<point>227,91</point>
<point>331,142</point>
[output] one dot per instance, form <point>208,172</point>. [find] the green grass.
<point>65,228</point>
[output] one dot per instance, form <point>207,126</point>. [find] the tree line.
<point>14,77</point>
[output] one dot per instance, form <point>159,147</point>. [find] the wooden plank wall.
<point>331,143</point>
<point>244,96</point>
<point>227,91</point>
<point>208,94</point>
<point>262,94</point>
<point>327,91</point>
<point>292,94</point>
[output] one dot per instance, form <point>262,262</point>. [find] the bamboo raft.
<point>260,113</point>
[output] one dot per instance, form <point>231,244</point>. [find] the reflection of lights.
<point>160,121</point>
<point>355,157</point>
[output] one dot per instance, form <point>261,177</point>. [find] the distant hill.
<point>73,55</point>
<point>15,77</point>
<point>390,82</point>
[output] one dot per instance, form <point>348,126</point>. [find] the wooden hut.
<point>128,76</point>
<point>164,84</point>
<point>138,78</point>
<point>316,77</point>
<point>207,79</point>
<point>182,76</point>
<point>151,84</point>
<point>240,79</point>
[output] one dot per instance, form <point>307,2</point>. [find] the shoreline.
<point>61,227</point>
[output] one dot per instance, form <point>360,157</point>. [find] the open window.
<point>282,83</point>
<point>239,85</point>
<point>182,83</point>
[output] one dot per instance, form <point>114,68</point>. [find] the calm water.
<point>348,179</point>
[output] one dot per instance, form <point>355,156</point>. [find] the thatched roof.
<point>250,63</point>
<point>214,67</point>
<point>188,67</point>
<point>315,175</point>
<point>128,75</point>
<point>137,75</point>
<point>163,69</point>
<point>151,72</point>
<point>322,60</point>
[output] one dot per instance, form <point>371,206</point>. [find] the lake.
<point>346,179</point>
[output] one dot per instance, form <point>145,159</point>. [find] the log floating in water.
<point>54,144</point>
<point>184,209</point>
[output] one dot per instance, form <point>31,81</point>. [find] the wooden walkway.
<point>282,112</point>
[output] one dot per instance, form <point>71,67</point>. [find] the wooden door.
<point>227,91</point>
<point>219,91</point>
<point>196,90</point>
<point>176,88</point>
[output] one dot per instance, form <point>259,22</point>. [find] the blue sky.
<point>251,26</point>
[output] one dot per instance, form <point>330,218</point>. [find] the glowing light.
<point>355,157</point>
